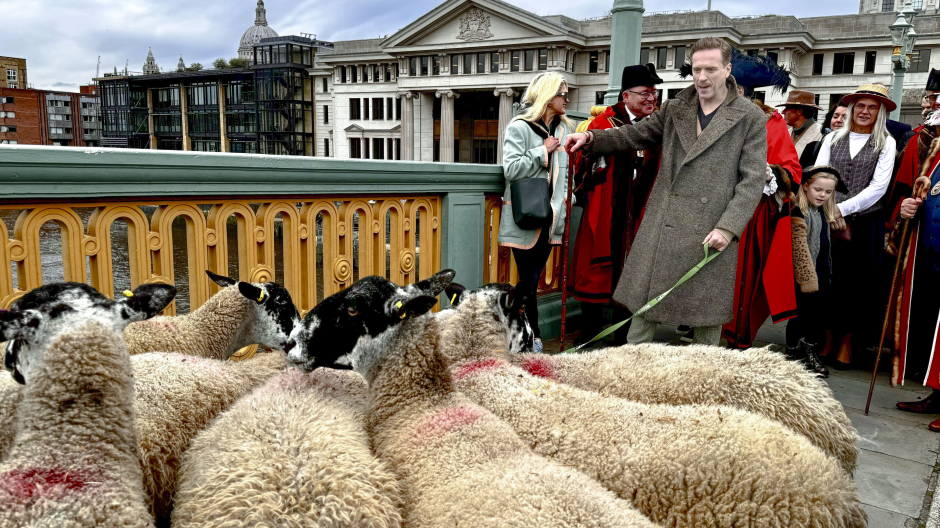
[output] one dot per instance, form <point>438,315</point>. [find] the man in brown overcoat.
<point>711,177</point>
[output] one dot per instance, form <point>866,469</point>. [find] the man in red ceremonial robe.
<point>917,349</point>
<point>615,188</point>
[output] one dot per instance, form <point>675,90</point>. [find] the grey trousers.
<point>641,331</point>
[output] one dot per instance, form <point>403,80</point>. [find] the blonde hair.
<point>803,201</point>
<point>879,132</point>
<point>539,94</point>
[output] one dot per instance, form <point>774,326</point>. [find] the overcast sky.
<point>62,39</point>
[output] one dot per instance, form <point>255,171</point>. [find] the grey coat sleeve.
<point>752,167</point>
<point>644,135</point>
<point>519,161</point>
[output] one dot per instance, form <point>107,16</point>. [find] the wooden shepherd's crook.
<point>564,257</point>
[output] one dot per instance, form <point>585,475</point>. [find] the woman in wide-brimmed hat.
<point>863,152</point>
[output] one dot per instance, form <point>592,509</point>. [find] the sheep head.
<point>274,312</point>
<point>37,318</point>
<point>508,305</point>
<point>369,307</point>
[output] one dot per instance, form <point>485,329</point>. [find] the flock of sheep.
<point>379,413</point>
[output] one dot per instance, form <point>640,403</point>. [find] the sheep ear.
<point>404,308</point>
<point>221,280</point>
<point>454,292</point>
<point>150,299</point>
<point>250,291</point>
<point>18,325</point>
<point>436,283</point>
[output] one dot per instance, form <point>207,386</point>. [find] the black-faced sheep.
<point>756,380</point>
<point>74,462</point>
<point>292,453</point>
<point>680,465</point>
<point>239,315</point>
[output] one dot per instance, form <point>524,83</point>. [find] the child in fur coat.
<point>812,264</point>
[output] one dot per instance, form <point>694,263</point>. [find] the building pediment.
<point>467,22</point>
<point>354,128</point>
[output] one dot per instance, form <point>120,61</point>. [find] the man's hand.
<point>838,224</point>
<point>909,207</point>
<point>551,144</point>
<point>716,240</point>
<point>575,141</point>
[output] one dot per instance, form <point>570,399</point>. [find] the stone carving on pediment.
<point>475,25</point>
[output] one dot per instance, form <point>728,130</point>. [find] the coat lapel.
<point>686,115</point>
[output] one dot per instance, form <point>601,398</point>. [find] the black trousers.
<point>925,307</point>
<point>530,263</point>
<point>860,281</point>
<point>812,320</point>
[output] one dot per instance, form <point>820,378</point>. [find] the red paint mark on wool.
<point>482,365</point>
<point>448,419</point>
<point>27,484</point>
<point>541,366</point>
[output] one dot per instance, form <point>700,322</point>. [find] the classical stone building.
<point>442,88</point>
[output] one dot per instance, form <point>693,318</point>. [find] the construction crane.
<point>98,69</point>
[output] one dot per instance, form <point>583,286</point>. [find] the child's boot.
<point>812,360</point>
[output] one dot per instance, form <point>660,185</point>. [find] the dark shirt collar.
<point>804,127</point>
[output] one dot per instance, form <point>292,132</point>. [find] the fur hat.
<point>809,172</point>
<point>639,76</point>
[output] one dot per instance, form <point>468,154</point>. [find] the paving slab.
<point>878,518</point>
<point>853,393</point>
<point>891,483</point>
<point>896,437</point>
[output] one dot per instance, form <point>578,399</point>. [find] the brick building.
<point>12,72</point>
<point>42,117</point>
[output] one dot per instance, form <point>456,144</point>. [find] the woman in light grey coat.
<point>532,149</point>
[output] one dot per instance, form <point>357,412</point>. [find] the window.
<point>11,76</point>
<point>870,61</point>
<point>599,97</point>
<point>365,74</point>
<point>817,64</point>
<point>326,148</point>
<point>834,99</point>
<point>680,57</point>
<point>920,60</point>
<point>494,62</point>
<point>342,74</point>
<point>773,55</point>
<point>325,89</point>
<point>378,108</point>
<point>543,59</point>
<point>413,66</point>
<point>4,128</point>
<point>529,60</point>
<point>398,108</point>
<point>378,148</point>
<point>365,145</point>
<point>388,73</point>
<point>468,63</point>
<point>481,62</point>
<point>644,56</point>
<point>454,64</point>
<point>843,63</point>
<point>607,61</point>
<point>6,100</point>
<point>354,73</point>
<point>424,65</point>
<point>752,53</point>
<point>887,6</point>
<point>376,74</point>
<point>354,108</point>
<point>8,142</point>
<point>514,61</point>
<point>661,58</point>
<point>436,65</point>
<point>365,108</point>
<point>326,114</point>
<point>592,62</point>
<point>355,148</point>
<point>389,108</point>
<point>8,114</point>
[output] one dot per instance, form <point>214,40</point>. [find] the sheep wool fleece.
<point>458,464</point>
<point>683,466</point>
<point>293,453</point>
<point>73,463</point>
<point>756,380</point>
<point>10,396</point>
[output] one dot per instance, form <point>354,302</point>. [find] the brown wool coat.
<point>710,181</point>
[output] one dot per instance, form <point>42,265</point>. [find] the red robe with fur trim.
<point>902,187</point>
<point>765,253</point>
<point>612,214</point>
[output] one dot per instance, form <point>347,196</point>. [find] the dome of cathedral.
<point>255,33</point>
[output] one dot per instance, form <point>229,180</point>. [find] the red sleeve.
<point>780,149</point>
<point>903,182</point>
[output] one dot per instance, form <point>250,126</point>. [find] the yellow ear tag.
<point>452,299</point>
<point>398,305</point>
<point>128,293</point>
<point>261,297</point>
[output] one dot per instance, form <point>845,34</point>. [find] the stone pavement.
<point>898,457</point>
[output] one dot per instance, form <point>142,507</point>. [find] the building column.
<point>505,114</point>
<point>153,138</point>
<point>223,133</point>
<point>625,35</point>
<point>187,145</point>
<point>447,124</point>
<point>407,125</point>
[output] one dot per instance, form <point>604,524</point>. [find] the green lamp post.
<point>626,30</point>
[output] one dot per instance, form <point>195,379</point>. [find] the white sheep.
<point>239,315</point>
<point>757,380</point>
<point>293,453</point>
<point>73,462</point>
<point>680,465</point>
<point>459,465</point>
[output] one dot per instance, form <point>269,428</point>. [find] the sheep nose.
<point>290,344</point>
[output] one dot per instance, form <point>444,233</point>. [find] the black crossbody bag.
<point>532,197</point>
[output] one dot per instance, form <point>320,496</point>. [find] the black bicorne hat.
<point>933,81</point>
<point>752,71</point>
<point>639,76</point>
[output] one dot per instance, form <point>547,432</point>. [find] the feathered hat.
<point>752,71</point>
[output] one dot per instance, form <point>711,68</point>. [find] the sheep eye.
<point>352,311</point>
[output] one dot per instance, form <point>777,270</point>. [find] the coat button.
<point>704,200</point>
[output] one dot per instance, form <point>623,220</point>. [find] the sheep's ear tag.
<point>128,293</point>
<point>261,297</point>
<point>399,305</point>
<point>452,299</point>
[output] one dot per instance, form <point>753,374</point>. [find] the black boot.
<point>592,322</point>
<point>812,360</point>
<point>795,353</point>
